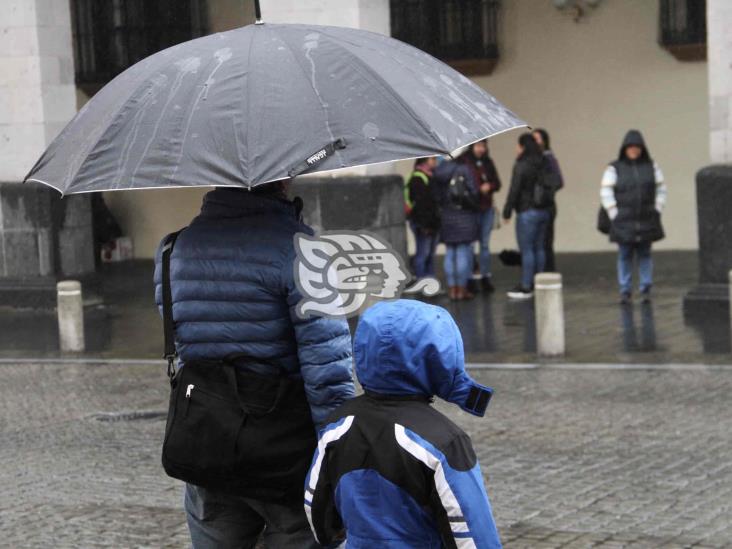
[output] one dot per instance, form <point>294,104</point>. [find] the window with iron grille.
<point>463,33</point>
<point>683,28</point>
<point>112,35</point>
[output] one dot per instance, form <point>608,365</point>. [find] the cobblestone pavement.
<point>573,458</point>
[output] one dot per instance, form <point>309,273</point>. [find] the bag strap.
<point>168,324</point>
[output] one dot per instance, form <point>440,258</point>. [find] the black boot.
<point>487,284</point>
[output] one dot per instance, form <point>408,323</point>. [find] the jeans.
<point>459,264</point>
<point>486,220</point>
<point>218,520</point>
<point>425,253</point>
<point>626,253</point>
<point>531,227</point>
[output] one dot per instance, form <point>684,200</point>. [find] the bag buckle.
<point>171,365</point>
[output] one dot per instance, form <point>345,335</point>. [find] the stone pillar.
<point>719,53</point>
<point>41,236</point>
<point>706,306</point>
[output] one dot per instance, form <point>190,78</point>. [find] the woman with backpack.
<point>530,196</point>
<point>459,205</point>
<point>633,194</point>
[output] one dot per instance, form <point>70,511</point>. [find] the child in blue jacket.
<point>390,471</point>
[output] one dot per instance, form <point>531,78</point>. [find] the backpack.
<point>547,184</point>
<point>459,194</point>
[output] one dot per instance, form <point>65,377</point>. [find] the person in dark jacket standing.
<point>532,219</point>
<point>459,203</point>
<point>423,215</point>
<point>233,291</point>
<point>542,139</point>
<point>485,177</point>
<point>391,471</point>
<point>633,193</point>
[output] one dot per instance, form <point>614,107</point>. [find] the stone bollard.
<point>70,316</point>
<point>549,312</point>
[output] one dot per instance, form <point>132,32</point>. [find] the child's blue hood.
<point>406,347</point>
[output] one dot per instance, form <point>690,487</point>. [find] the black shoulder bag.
<point>230,429</point>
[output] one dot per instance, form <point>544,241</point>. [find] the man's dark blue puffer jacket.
<point>233,292</point>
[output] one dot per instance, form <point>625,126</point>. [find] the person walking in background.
<point>542,139</point>
<point>423,215</point>
<point>485,177</point>
<point>459,203</point>
<point>532,209</point>
<point>633,193</point>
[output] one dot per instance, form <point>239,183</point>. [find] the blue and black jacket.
<point>390,470</point>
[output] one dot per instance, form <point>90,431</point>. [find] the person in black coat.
<point>633,193</point>
<point>532,218</point>
<point>542,139</point>
<point>459,204</point>
<point>423,215</point>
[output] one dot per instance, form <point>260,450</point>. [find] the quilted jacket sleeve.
<point>325,353</point>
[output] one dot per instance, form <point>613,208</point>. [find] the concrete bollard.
<point>70,316</point>
<point>549,312</point>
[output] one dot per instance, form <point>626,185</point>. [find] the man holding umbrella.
<point>233,294</point>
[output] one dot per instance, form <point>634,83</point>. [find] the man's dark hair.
<point>544,137</point>
<point>531,149</point>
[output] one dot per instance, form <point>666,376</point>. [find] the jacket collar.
<point>235,202</point>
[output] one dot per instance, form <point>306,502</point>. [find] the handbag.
<point>231,429</point>
<point>603,221</point>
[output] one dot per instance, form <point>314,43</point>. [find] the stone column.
<point>707,305</point>
<point>41,236</point>
<point>719,53</point>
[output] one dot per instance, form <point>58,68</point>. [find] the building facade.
<point>585,77</point>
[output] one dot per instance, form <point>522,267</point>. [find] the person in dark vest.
<point>633,193</point>
<point>423,215</point>
<point>541,136</point>
<point>233,290</point>
<point>532,219</point>
<point>485,177</point>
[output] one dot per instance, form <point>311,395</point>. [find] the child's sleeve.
<point>459,500</point>
<point>320,508</point>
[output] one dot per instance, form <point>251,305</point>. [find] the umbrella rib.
<point>388,89</point>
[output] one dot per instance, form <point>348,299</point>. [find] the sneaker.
<point>626,298</point>
<point>519,292</point>
<point>487,285</point>
<point>472,286</point>
<point>646,295</point>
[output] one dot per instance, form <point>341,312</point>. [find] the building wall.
<point>586,82</point>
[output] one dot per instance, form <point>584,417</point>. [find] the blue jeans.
<point>486,220</point>
<point>531,227</point>
<point>425,253</point>
<point>626,253</point>
<point>458,264</point>
<point>217,520</point>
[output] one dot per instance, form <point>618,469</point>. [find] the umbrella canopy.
<point>267,102</point>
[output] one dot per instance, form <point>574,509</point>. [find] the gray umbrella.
<point>267,102</point>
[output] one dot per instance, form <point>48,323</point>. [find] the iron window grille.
<point>112,35</point>
<point>683,28</point>
<point>463,33</point>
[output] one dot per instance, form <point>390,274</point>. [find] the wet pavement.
<point>573,458</point>
<point>495,329</point>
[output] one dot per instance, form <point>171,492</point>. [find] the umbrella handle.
<point>258,13</point>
